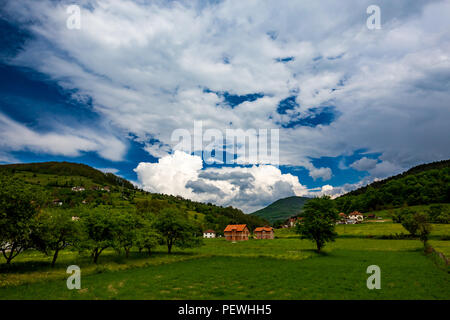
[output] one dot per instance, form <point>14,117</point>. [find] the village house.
<point>209,233</point>
<point>57,202</point>
<point>342,218</point>
<point>78,189</point>
<point>356,216</point>
<point>292,221</point>
<point>236,232</point>
<point>264,233</point>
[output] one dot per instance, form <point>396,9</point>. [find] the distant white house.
<point>78,189</point>
<point>209,234</point>
<point>57,202</point>
<point>356,216</point>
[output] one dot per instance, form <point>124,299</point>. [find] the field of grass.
<point>372,229</point>
<point>283,268</point>
<point>337,274</point>
<point>286,268</point>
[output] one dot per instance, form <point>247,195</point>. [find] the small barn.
<point>264,233</point>
<point>236,232</point>
<point>209,233</point>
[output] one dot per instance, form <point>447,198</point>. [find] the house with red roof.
<point>293,221</point>
<point>236,232</point>
<point>356,216</point>
<point>264,233</point>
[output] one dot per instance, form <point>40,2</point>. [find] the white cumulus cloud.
<point>248,188</point>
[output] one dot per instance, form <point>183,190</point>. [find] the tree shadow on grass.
<point>319,254</point>
<point>84,259</point>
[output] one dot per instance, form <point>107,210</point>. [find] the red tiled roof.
<point>209,231</point>
<point>237,227</point>
<point>263,229</point>
<point>355,213</point>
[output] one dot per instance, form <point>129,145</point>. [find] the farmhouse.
<point>78,189</point>
<point>236,232</point>
<point>57,202</point>
<point>342,218</point>
<point>293,221</point>
<point>264,233</point>
<point>209,233</point>
<point>356,216</point>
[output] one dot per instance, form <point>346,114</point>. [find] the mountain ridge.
<point>282,209</point>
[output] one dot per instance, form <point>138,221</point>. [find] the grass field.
<point>286,268</point>
<point>372,229</point>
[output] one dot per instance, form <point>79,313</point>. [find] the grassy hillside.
<point>68,169</point>
<point>282,209</point>
<point>56,179</point>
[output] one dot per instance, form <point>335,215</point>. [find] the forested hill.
<point>423,184</point>
<point>69,169</point>
<point>282,209</point>
<point>71,185</point>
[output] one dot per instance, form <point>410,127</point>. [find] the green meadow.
<point>283,268</point>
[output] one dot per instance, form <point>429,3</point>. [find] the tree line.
<point>421,188</point>
<point>26,223</point>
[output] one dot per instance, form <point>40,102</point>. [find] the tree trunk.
<point>127,252</point>
<point>95,258</point>
<point>11,254</point>
<point>9,258</point>
<point>95,254</point>
<point>318,246</point>
<point>55,256</point>
<point>169,246</point>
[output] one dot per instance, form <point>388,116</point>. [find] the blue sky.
<point>352,104</point>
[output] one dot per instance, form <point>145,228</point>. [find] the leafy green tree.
<point>147,237</point>
<point>319,221</point>
<point>408,221</point>
<point>18,206</point>
<point>438,214</point>
<point>176,229</point>
<point>424,227</point>
<point>100,229</point>
<point>125,232</point>
<point>54,230</point>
